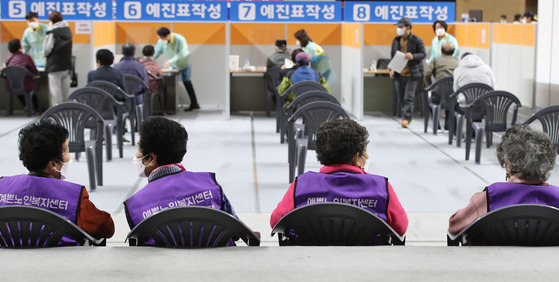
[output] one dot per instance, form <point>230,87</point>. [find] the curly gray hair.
<point>527,154</point>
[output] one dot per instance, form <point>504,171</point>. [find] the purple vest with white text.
<point>367,191</point>
<point>58,196</point>
<point>502,194</point>
<point>181,189</point>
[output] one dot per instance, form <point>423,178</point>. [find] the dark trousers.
<point>405,88</point>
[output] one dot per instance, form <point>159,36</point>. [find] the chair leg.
<point>91,168</point>
<point>109,142</point>
<point>489,138</point>
<point>426,120</point>
<point>479,140</point>
<point>28,103</point>
<point>132,131</point>
<point>99,165</point>
<point>459,127</point>
<point>436,113</point>
<point>278,115</point>
<point>268,103</point>
<point>10,104</point>
<point>301,158</point>
<point>119,139</point>
<point>451,125</point>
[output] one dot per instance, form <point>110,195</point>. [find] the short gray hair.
<point>527,154</point>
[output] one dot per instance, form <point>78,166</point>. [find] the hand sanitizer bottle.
<point>374,65</point>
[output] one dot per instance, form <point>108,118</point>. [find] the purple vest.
<point>367,191</point>
<point>58,196</point>
<point>502,194</point>
<point>176,190</point>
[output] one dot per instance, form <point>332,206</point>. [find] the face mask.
<point>503,21</point>
<point>400,31</point>
<point>523,21</point>
<point>139,166</point>
<point>65,169</point>
<point>365,167</point>
<point>51,24</point>
<point>440,31</point>
<point>163,41</point>
<point>298,43</point>
<point>33,25</point>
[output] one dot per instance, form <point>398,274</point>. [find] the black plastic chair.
<point>272,76</point>
<point>76,118</point>
<point>313,115</point>
<point>15,76</point>
<point>33,227</point>
<point>110,110</point>
<point>549,119</point>
<point>132,83</point>
<point>516,225</point>
<point>495,106</point>
<point>297,88</point>
<point>121,96</point>
<point>73,74</point>
<point>470,92</point>
<point>191,227</point>
<point>160,93</point>
<point>334,224</point>
<point>443,88</point>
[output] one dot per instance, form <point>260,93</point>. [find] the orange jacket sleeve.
<point>95,222</point>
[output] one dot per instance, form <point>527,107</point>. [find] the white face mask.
<point>33,25</point>
<point>440,31</point>
<point>139,166</point>
<point>503,21</point>
<point>298,43</point>
<point>365,167</point>
<point>65,169</point>
<point>400,31</point>
<point>164,41</point>
<point>524,20</point>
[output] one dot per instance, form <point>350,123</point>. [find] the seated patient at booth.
<point>161,149</point>
<point>105,72</point>
<point>43,149</point>
<point>528,157</point>
<point>341,146</point>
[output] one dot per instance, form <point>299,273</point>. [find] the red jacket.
<point>153,67</point>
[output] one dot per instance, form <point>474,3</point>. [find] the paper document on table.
<point>288,63</point>
<point>398,62</point>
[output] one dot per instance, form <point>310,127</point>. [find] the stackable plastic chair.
<point>272,76</point>
<point>313,115</point>
<point>549,119</point>
<point>33,227</point>
<point>76,118</point>
<point>297,88</point>
<point>516,225</point>
<point>132,83</point>
<point>495,106</point>
<point>443,88</point>
<point>334,224</point>
<point>160,93</point>
<point>129,102</point>
<point>470,93</point>
<point>110,109</point>
<point>191,227</point>
<point>16,75</point>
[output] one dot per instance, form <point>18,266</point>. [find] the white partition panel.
<point>351,77</point>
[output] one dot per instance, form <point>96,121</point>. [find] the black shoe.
<point>192,107</point>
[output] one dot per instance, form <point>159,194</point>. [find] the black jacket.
<point>416,47</point>
<point>60,58</point>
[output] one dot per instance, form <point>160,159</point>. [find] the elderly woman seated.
<point>161,149</point>
<point>43,149</point>
<point>528,157</point>
<point>341,146</point>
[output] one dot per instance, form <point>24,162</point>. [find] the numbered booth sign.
<point>391,12</point>
<point>70,9</point>
<point>171,10</point>
<point>288,11</point>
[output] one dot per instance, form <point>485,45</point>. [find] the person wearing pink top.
<point>151,66</point>
<point>341,146</point>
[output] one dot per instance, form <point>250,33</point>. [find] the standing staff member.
<point>58,50</point>
<point>174,46</point>
<point>33,38</point>
<point>405,82</point>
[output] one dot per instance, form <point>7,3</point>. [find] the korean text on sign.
<point>286,11</point>
<point>171,10</point>
<point>70,9</point>
<point>389,12</point>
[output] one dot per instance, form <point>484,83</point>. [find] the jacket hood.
<point>471,61</point>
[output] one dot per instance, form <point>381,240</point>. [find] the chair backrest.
<point>308,97</point>
<point>33,227</point>
<point>313,115</point>
<point>160,83</point>
<point>16,77</point>
<point>118,93</point>
<point>444,88</point>
<point>470,92</point>
<point>300,88</point>
<point>334,224</point>
<point>516,225</point>
<point>76,117</point>
<point>191,227</point>
<point>132,83</point>
<point>97,98</point>
<point>272,77</point>
<point>495,107</point>
<point>549,119</point>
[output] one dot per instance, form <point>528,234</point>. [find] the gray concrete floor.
<point>430,177</point>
